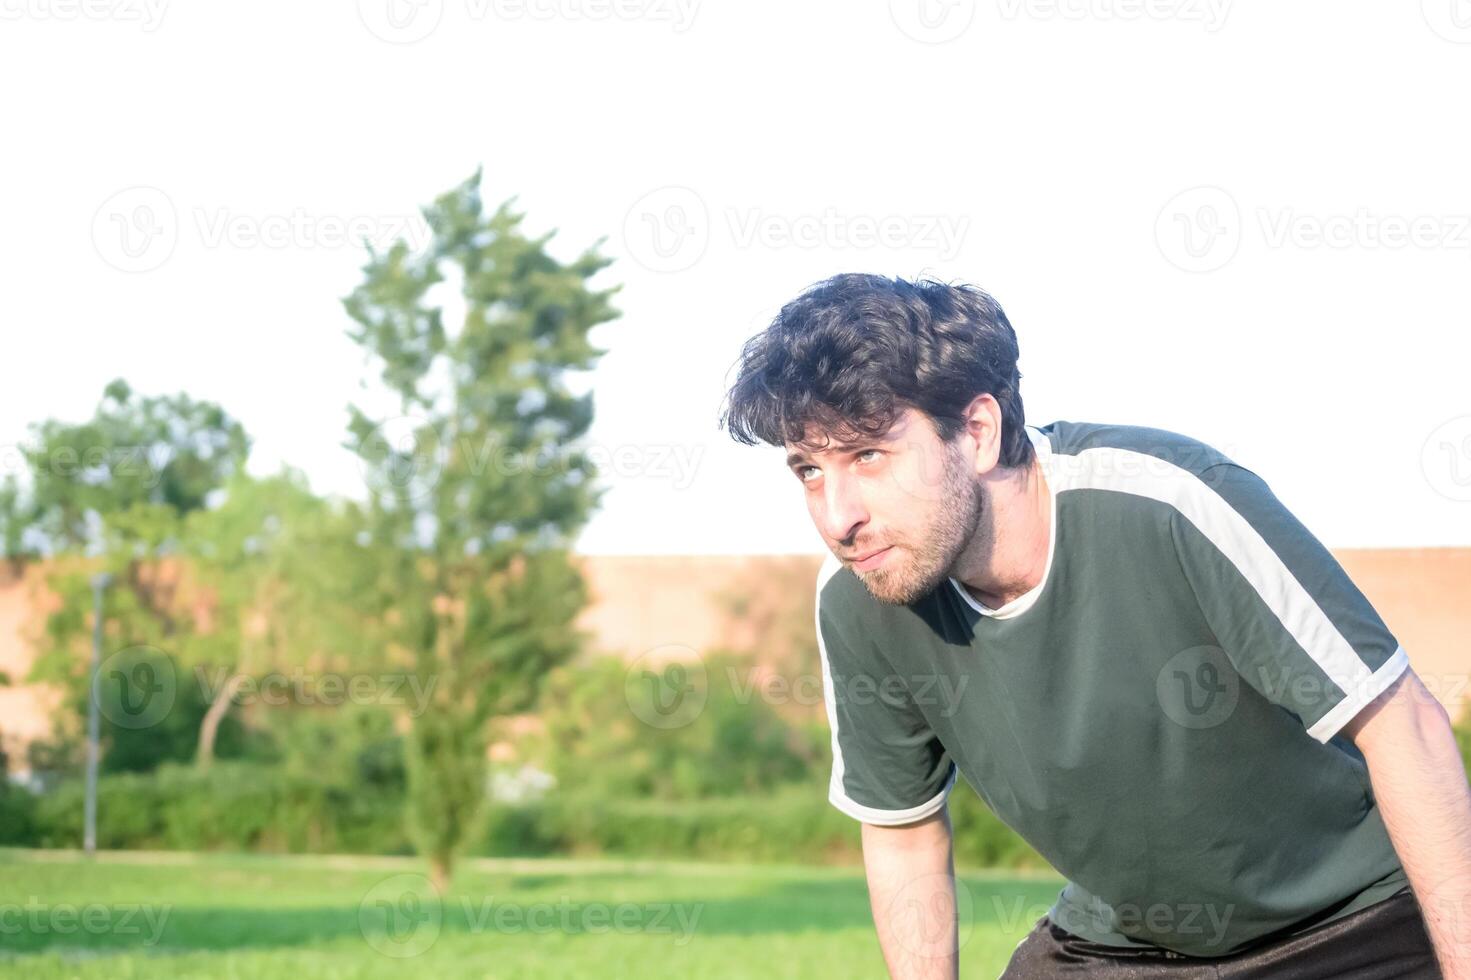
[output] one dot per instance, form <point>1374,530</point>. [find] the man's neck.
<point>1009,555</point>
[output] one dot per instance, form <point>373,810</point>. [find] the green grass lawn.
<point>189,915</point>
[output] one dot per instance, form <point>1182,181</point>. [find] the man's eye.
<point>867,451</point>
<point>802,472</point>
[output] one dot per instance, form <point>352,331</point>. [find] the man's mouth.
<point>872,559</point>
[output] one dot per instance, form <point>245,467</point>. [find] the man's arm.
<point>1420,784</point>
<point>911,889</point>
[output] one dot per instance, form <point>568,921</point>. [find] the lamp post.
<point>94,721</point>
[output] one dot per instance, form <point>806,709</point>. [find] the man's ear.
<point>983,427</point>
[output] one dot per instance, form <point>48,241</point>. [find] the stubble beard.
<point>932,558</point>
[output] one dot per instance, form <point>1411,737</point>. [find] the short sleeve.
<point>889,766</point>
<point>1280,605</point>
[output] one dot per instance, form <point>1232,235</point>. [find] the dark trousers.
<point>1387,939</point>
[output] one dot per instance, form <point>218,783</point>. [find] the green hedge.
<point>234,806</point>
<point>17,816</point>
<point>795,824</point>
<point>240,806</point>
<point>783,826</point>
<point>252,806</point>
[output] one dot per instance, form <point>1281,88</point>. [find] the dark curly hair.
<point>852,352</point>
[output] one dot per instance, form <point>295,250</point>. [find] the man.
<point>1140,660</point>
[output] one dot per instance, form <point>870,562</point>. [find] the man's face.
<point>906,492</point>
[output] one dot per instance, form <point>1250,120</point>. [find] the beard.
<point>919,568</point>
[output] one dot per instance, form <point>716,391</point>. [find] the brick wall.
<point>763,604</point>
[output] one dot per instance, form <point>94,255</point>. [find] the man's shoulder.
<point>1107,445</point>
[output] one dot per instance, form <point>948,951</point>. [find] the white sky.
<point>1049,152</point>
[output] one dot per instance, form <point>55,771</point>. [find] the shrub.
<point>17,816</point>
<point>794,824</point>
<point>231,806</point>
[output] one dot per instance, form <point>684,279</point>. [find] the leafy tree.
<point>154,458</point>
<point>597,739</point>
<point>477,488</point>
<point>112,495</point>
<point>281,566</point>
<point>13,520</point>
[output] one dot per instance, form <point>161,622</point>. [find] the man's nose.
<point>844,511</point>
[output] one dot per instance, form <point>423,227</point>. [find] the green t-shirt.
<point>1158,717</point>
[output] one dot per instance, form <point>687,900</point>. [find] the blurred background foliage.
<point>493,728</point>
